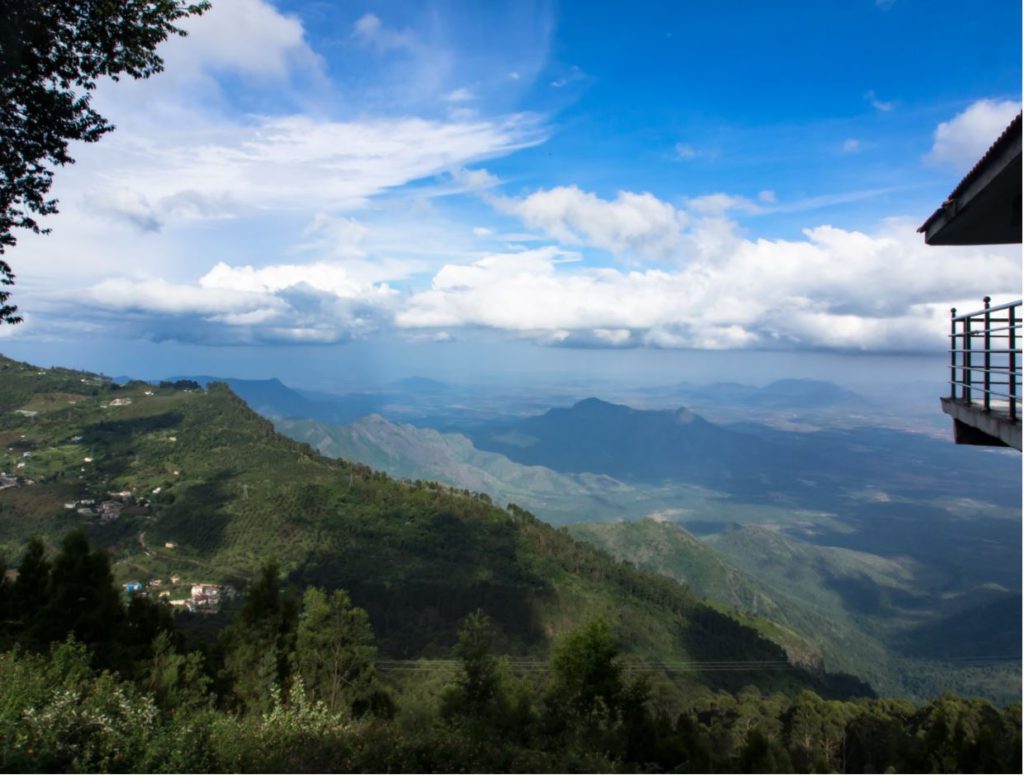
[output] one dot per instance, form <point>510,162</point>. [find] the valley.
<point>850,547</point>
<point>855,537</point>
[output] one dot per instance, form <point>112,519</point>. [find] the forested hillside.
<point>382,625</point>
<point>864,614</point>
<point>208,491</point>
<point>91,683</point>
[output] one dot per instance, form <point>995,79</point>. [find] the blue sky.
<point>308,181</point>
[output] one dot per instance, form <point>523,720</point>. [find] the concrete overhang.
<point>973,425</point>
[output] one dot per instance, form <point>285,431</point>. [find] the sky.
<point>339,192</point>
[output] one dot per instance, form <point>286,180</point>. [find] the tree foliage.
<point>52,53</point>
<point>335,654</point>
<point>60,710</point>
<point>259,643</point>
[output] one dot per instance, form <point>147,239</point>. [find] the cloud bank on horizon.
<point>295,178</point>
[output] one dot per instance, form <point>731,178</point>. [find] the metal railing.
<point>985,358</point>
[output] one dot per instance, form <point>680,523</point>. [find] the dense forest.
<point>93,680</point>
<point>201,489</point>
<point>404,626</point>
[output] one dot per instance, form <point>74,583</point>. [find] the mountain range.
<point>211,491</point>
<point>781,394</point>
<point>868,554</point>
<point>888,554</point>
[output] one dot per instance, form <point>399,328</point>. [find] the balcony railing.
<point>985,359</point>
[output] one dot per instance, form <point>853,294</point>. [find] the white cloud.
<point>370,31</point>
<point>630,224</point>
<point>312,303</point>
<point>572,75</point>
<point>962,140</point>
<point>247,36</point>
<point>460,95</point>
<point>336,236</point>
<point>851,145</point>
<point>160,297</point>
<point>719,204</point>
<point>262,239</point>
<point>474,180</point>
<point>284,163</point>
<point>685,152</point>
<point>832,289</point>
<point>332,278</point>
<point>877,104</point>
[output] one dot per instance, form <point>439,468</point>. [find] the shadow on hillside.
<point>418,586</point>
<point>196,518</point>
<point>116,439</point>
<point>727,647</point>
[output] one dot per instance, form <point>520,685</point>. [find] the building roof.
<point>985,207</point>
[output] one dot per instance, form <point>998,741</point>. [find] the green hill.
<point>859,613</point>
<point>895,602</point>
<point>821,633</point>
<point>407,451</point>
<point>208,490</point>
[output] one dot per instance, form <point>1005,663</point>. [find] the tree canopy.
<point>52,53</point>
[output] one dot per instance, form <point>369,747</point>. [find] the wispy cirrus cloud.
<point>884,106</point>
<point>371,31</point>
<point>291,162</point>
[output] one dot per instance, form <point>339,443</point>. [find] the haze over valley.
<point>854,535</point>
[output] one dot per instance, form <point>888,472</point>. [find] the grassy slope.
<point>233,492</point>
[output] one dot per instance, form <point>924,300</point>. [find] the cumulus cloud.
<point>832,289</point>
<point>333,278</point>
<point>311,303</point>
<point>962,140</point>
<point>247,36</point>
<point>300,264</point>
<point>638,224</point>
<point>474,180</point>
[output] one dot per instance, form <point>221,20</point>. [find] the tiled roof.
<point>1012,132</point>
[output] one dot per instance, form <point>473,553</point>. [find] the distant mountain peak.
<point>684,416</point>
<point>596,403</point>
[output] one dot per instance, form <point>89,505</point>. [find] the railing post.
<point>952,353</point>
<point>1012,376</point>
<point>967,364</point>
<point>987,359</point>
